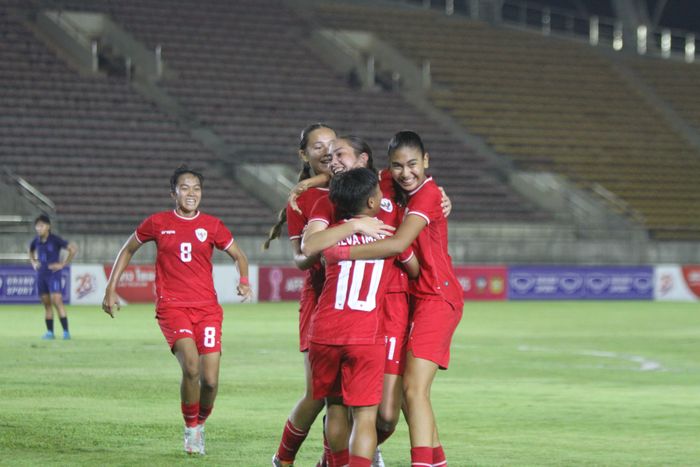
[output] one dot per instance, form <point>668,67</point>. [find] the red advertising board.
<point>483,282</point>
<point>691,273</point>
<point>277,283</point>
<point>137,284</point>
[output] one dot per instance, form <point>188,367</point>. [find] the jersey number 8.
<point>186,252</point>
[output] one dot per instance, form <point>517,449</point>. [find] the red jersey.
<point>295,228</point>
<point>437,279</point>
<point>183,259</point>
<point>348,310</point>
<point>390,214</point>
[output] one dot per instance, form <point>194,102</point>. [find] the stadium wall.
<point>84,284</point>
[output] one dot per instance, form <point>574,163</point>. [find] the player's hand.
<point>445,204</point>
<point>372,227</point>
<point>110,304</point>
<point>297,190</point>
<point>55,266</point>
<point>246,292</point>
<point>35,264</point>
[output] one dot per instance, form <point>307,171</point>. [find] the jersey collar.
<point>186,218</point>
<point>420,186</point>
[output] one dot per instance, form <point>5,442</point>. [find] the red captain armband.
<point>406,256</point>
<point>244,281</point>
<point>336,254</point>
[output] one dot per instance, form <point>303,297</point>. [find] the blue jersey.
<point>49,251</point>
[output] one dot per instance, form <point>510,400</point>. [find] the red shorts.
<point>396,332</point>
<point>203,325</point>
<point>307,305</point>
<point>355,372</point>
<point>433,325</point>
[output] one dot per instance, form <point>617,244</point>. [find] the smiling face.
<point>407,165</point>
<point>344,157</point>
<point>316,153</point>
<point>188,194</point>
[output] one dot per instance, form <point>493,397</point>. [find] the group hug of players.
<point>379,306</point>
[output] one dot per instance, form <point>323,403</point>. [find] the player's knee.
<point>413,391</point>
<point>209,383</point>
<point>190,369</point>
<point>387,418</point>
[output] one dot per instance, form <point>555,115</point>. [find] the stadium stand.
<point>254,88</point>
<point>244,70</point>
<point>94,146</point>
<point>550,104</point>
<point>676,82</point>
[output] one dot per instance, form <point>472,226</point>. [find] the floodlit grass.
<point>531,384</point>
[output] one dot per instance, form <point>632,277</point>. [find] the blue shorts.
<point>49,282</point>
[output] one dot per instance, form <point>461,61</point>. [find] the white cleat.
<point>201,439</point>
<point>378,460</point>
<point>193,440</point>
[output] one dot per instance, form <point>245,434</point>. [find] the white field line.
<point>645,364</point>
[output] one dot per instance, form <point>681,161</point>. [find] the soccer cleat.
<point>200,428</point>
<point>276,462</point>
<point>192,440</point>
<point>378,460</point>
<point>66,335</point>
<point>48,336</point>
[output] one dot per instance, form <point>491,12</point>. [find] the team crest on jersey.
<point>386,205</point>
<point>201,234</point>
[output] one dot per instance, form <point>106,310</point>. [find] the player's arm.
<point>410,263</point>
<point>302,261</point>
<point>391,246</point>
<point>241,261</point>
<point>111,300</point>
<point>317,181</point>
<point>72,251</point>
<point>318,237</point>
<point>33,259</point>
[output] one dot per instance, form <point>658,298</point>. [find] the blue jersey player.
<point>45,256</point>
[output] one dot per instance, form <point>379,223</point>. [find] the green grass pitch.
<point>531,384</point>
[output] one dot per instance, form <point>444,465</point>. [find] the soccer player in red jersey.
<point>437,297</point>
<point>346,153</point>
<point>313,152</point>
<point>347,349</point>
<point>186,304</point>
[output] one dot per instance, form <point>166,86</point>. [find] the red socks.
<point>357,461</point>
<point>439,459</point>
<point>292,438</point>
<point>339,459</point>
<point>422,456</point>
<point>204,413</point>
<point>190,412</point>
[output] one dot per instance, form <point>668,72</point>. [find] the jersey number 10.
<point>355,284</point>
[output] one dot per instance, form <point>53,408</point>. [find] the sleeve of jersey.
<point>425,203</point>
<point>62,243</point>
<point>223,238</point>
<point>295,223</point>
<point>406,256</point>
<point>322,211</point>
<point>32,245</point>
<point>145,232</point>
